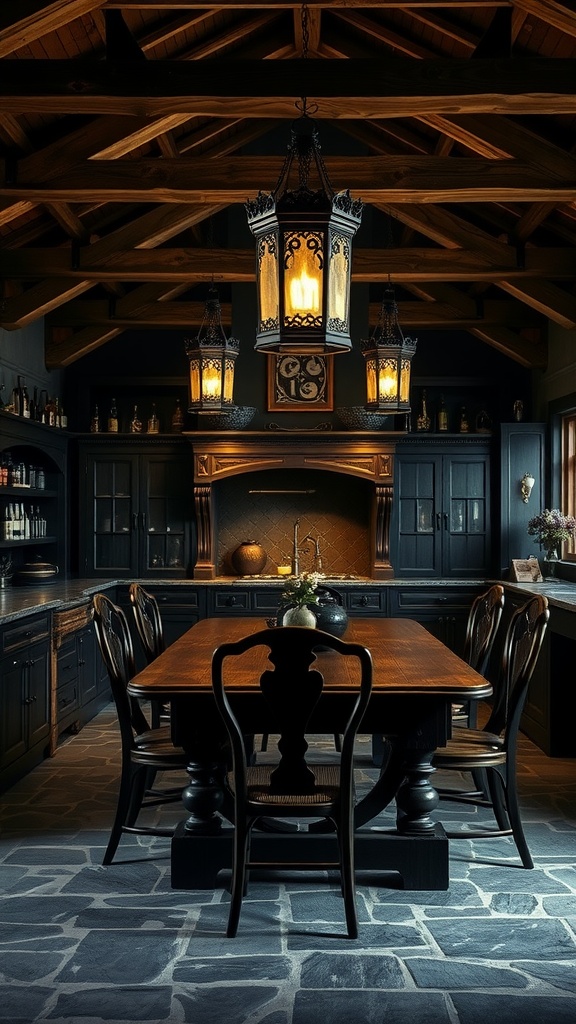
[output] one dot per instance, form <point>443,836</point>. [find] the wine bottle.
<point>442,415</point>
<point>113,418</point>
<point>423,421</point>
<point>153,421</point>
<point>464,424</point>
<point>135,422</point>
<point>95,422</point>
<point>177,419</point>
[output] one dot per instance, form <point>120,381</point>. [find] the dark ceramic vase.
<point>331,616</point>
<point>249,558</point>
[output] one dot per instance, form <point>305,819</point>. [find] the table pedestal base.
<point>197,859</point>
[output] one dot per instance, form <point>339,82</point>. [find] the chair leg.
<point>516,821</point>
<point>499,800</point>
<point>122,807</point>
<point>348,882</point>
<point>138,791</point>
<point>241,848</point>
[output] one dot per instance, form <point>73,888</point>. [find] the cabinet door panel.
<point>111,512</point>
<point>38,694</point>
<point>419,528</point>
<point>466,541</point>
<point>13,718</point>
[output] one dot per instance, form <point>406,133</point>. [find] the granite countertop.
<point>16,602</point>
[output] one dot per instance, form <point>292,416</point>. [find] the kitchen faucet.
<point>317,556</point>
<point>295,550</point>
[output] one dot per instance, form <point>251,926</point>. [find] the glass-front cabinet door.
<point>441,519</point>
<point>138,510</point>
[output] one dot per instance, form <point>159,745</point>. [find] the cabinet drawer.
<point>66,699</point>
<point>230,601</point>
<point>25,633</point>
<point>373,600</point>
<point>176,596</point>
<point>67,663</point>
<point>266,600</point>
<point>411,601</point>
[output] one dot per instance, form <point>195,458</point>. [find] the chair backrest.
<point>148,621</point>
<point>483,622</point>
<point>522,644</point>
<point>291,690</point>
<point>115,645</point>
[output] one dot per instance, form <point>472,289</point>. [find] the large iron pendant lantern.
<point>303,255</point>
<point>212,356</point>
<point>388,356</point>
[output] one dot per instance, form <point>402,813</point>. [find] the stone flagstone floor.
<point>89,944</point>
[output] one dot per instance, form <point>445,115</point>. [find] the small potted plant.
<point>6,571</point>
<point>298,595</point>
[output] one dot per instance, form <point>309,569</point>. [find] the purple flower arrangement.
<point>552,528</point>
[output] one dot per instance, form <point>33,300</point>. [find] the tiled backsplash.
<point>331,506</point>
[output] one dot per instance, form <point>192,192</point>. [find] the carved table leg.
<point>203,798</point>
<point>416,797</point>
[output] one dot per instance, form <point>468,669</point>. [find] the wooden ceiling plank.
<point>61,353</point>
<point>561,16</point>
<point>396,87</point>
<point>23,21</point>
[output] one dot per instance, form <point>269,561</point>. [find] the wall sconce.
<point>211,355</point>
<point>526,484</point>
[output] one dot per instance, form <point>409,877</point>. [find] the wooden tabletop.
<point>406,659</point>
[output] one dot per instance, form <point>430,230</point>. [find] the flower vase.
<point>299,615</point>
<point>550,562</point>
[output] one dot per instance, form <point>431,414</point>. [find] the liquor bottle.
<point>50,412</point>
<point>135,422</point>
<point>95,422</point>
<point>423,421</point>
<point>34,405</point>
<point>442,415</point>
<point>153,422</point>
<point>113,418</point>
<point>464,424</point>
<point>63,418</point>
<point>177,419</point>
<point>24,402</point>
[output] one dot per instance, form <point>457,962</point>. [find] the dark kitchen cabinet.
<point>80,685</point>
<point>441,516</point>
<point>136,508</point>
<point>24,697</point>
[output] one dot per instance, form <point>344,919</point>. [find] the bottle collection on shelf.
<point>136,425</point>
<point>41,407</point>
<point>20,474</point>
<point>482,423</point>
<point>22,523</point>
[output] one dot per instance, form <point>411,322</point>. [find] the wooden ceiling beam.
<point>397,87</point>
<point>238,265</point>
<point>186,314</point>
<point>398,179</point>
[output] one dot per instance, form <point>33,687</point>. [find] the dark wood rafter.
<point>156,109</point>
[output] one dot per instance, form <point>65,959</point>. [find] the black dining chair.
<point>481,628</point>
<point>293,787</point>
<point>493,749</point>
<point>150,632</point>
<point>144,750</point>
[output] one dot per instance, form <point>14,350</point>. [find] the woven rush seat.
<point>258,787</point>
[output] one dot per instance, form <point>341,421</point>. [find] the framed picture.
<point>525,570</point>
<point>300,383</point>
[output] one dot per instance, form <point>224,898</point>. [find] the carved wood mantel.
<point>221,454</point>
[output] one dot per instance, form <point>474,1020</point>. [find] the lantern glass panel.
<point>387,379</point>
<point>405,381</point>
<point>303,263</point>
<point>268,282</point>
<point>211,378</point>
<point>195,380</point>
<point>228,381</point>
<point>338,289</point>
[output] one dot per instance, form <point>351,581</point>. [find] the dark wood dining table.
<point>416,679</point>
